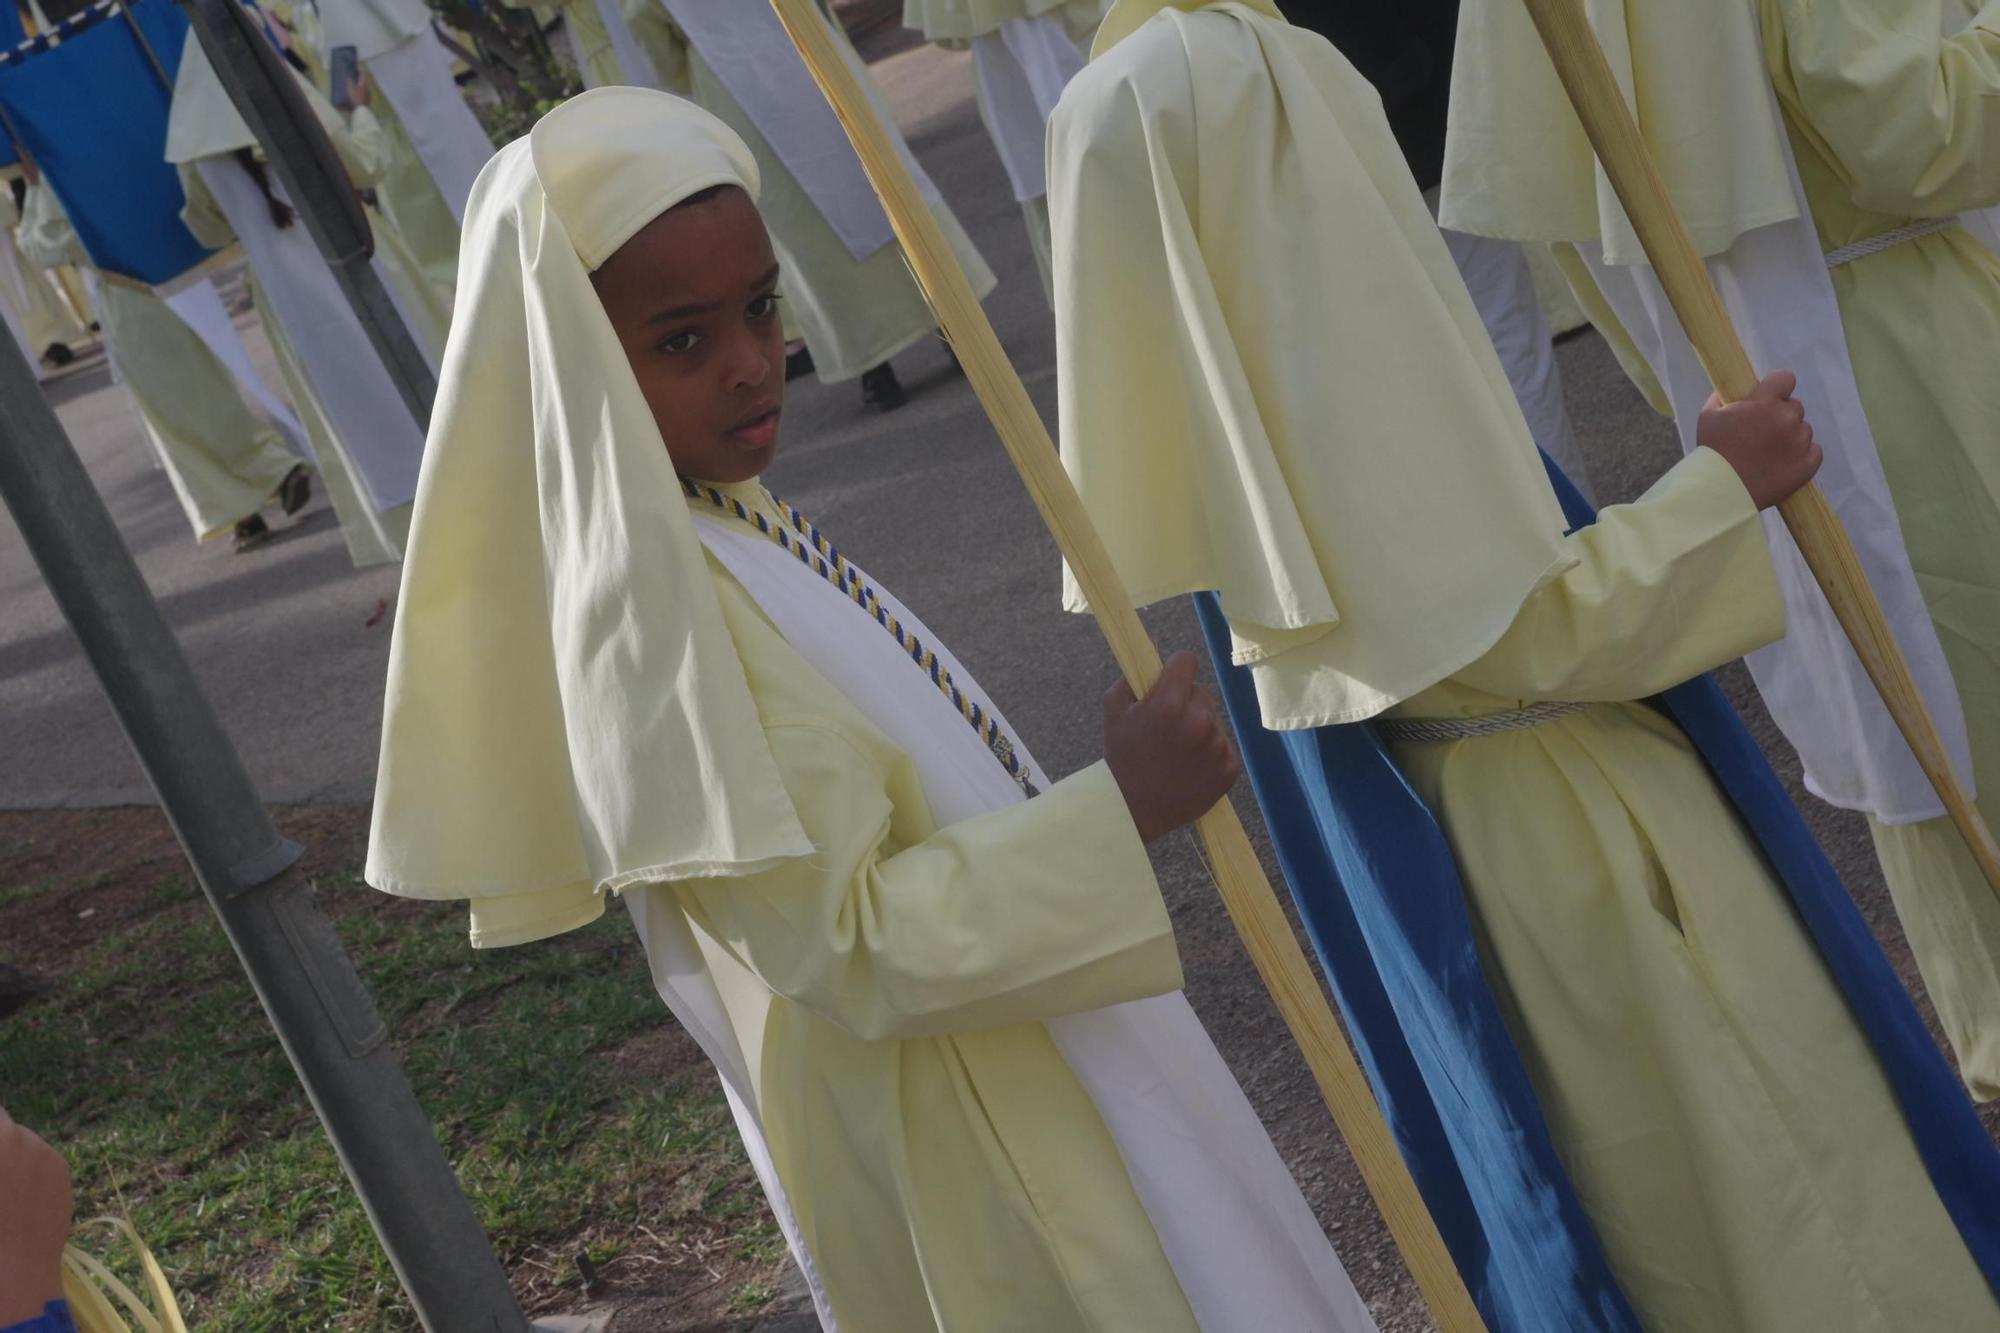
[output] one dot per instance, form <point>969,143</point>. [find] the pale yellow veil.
<point>1273,383</point>
<point>1517,164</point>
<point>565,712</point>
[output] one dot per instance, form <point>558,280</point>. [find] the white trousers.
<point>1503,291</point>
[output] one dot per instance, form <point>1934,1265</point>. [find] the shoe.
<point>58,354</point>
<point>799,362</point>
<point>250,532</point>
<point>295,491</point>
<point>881,390</point>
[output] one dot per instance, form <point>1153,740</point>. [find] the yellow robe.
<point>422,268</point>
<point>373,536</point>
<point>413,203</point>
<point>223,461</point>
<point>853,313</point>
<point>43,316</point>
<point>367,151</point>
<point>1891,124</point>
<point>593,43</point>
<point>1727,1128</point>
<point>947,1169</point>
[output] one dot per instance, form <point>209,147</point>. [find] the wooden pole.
<point>1815,527</point>
<point>1253,906</point>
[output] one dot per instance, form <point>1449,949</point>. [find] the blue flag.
<point>91,109</point>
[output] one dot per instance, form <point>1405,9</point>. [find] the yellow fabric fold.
<point>1273,382</point>
<point>565,713</point>
<point>1517,164</point>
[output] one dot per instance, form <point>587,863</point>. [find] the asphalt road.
<point>290,642</point>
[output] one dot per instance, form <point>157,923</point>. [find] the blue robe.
<point>1379,891</point>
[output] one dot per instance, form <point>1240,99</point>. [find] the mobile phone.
<point>341,66</point>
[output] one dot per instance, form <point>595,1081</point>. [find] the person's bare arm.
<point>34,1222</point>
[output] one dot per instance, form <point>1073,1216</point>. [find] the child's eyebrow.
<point>769,279</point>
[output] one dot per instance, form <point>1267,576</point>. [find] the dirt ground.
<point>72,879</point>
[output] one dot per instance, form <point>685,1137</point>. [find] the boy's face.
<point>693,298</point>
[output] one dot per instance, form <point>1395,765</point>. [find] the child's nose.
<point>749,363</point>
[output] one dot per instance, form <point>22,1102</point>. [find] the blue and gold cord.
<point>819,555</point>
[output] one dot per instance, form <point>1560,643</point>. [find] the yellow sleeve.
<point>1044,908</point>
<point>1665,588</point>
<point>1912,117</point>
<point>201,215</point>
<point>360,140</point>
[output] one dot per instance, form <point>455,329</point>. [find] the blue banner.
<point>91,109</point>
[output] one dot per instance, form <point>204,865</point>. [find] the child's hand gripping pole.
<point>1829,553</point>
<point>1253,907</point>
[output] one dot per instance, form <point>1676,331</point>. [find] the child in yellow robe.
<point>945,1015</point>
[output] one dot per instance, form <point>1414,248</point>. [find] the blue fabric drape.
<point>12,31</point>
<point>92,111</point>
<point>1380,894</point>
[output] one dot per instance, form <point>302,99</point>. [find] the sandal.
<point>881,390</point>
<point>295,491</point>
<point>250,532</point>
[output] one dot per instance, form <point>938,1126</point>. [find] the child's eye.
<point>678,343</point>
<point>764,306</point>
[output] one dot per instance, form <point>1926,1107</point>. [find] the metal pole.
<point>266,95</point>
<point>318,1006</point>
<point>152,56</point>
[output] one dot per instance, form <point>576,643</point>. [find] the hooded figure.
<point>1836,164</point>
<point>1647,1065</point>
<point>946,1017</point>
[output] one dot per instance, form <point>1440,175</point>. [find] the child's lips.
<point>759,431</point>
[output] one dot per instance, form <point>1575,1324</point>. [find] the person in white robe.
<point>363,434</point>
<point>224,462</point>
<point>1024,53</point>
<point>42,323</point>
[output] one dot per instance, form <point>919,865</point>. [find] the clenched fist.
<point>1171,754</point>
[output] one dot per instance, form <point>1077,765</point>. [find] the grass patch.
<point>150,1064</point>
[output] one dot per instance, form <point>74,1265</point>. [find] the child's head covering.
<point>1517,164</point>
<point>1273,382</point>
<point>565,711</point>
